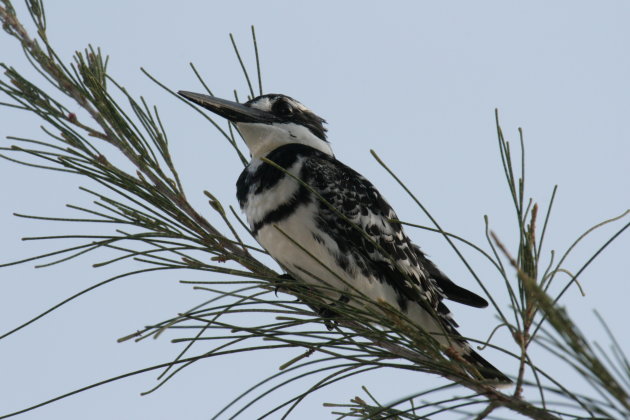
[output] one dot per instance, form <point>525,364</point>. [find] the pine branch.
<point>158,228</point>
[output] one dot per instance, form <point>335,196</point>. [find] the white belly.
<point>292,244</point>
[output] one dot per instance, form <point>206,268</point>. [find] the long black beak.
<point>230,110</point>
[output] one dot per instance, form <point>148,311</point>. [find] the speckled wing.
<point>381,248</point>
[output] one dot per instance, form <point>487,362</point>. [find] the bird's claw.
<point>283,277</point>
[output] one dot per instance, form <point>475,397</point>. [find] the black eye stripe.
<point>290,113</point>
<point>282,108</point>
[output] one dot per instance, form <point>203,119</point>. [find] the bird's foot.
<point>329,314</point>
<point>285,276</point>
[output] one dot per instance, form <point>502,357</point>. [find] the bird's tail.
<point>486,369</point>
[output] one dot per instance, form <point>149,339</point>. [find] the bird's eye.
<point>282,108</point>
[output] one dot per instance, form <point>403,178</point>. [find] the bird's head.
<point>269,121</point>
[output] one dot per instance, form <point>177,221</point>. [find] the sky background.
<point>417,82</point>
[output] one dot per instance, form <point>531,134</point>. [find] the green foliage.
<point>158,229</point>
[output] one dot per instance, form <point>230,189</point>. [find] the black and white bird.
<point>322,245</point>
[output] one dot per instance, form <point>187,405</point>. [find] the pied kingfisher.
<point>312,231</point>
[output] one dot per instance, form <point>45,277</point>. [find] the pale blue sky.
<point>416,81</point>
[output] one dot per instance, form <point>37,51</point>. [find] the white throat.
<point>261,139</point>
